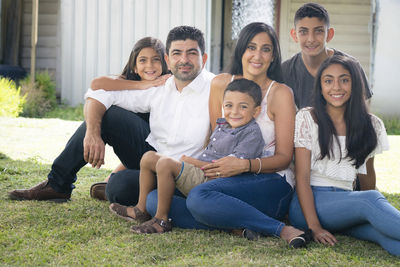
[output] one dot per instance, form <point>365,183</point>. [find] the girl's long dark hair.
<point>129,70</point>
<point>274,71</point>
<point>361,137</point>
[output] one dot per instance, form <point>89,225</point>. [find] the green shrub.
<point>392,125</point>
<point>11,102</point>
<point>65,112</point>
<point>40,96</point>
<point>48,87</point>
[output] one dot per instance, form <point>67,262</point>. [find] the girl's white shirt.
<point>333,172</point>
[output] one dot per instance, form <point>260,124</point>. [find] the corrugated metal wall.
<point>97,35</point>
<point>351,20</point>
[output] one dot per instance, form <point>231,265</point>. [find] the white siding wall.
<point>351,20</point>
<point>386,75</point>
<point>98,35</point>
<point>47,49</point>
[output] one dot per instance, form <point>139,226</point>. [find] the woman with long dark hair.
<point>335,141</point>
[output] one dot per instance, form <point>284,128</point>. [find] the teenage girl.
<point>336,140</point>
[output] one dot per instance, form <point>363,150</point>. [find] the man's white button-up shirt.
<point>179,121</point>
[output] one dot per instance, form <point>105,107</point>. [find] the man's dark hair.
<point>183,33</point>
<point>247,87</point>
<point>312,10</point>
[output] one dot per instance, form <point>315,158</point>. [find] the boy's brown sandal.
<point>154,226</point>
<point>122,211</point>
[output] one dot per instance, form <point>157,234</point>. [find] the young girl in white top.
<point>146,67</point>
<point>335,141</point>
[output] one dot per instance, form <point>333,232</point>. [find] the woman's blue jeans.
<point>365,215</point>
<point>256,202</point>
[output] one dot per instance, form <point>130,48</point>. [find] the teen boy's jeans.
<point>250,201</point>
<point>125,131</point>
<point>365,215</point>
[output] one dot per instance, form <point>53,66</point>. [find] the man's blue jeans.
<point>256,202</point>
<point>365,215</point>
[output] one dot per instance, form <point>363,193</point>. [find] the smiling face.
<point>185,59</point>
<point>336,86</point>
<point>148,64</point>
<point>312,34</point>
<point>258,56</point>
<point>239,108</point>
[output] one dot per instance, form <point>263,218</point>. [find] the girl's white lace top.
<point>333,172</point>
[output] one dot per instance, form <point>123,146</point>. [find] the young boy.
<point>312,32</point>
<point>237,134</point>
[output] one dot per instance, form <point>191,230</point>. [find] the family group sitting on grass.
<point>240,178</point>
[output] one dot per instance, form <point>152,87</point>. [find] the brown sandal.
<point>122,211</point>
<point>153,226</point>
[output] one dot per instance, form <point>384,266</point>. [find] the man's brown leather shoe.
<point>42,191</point>
<point>98,191</point>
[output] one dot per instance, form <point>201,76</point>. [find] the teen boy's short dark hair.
<point>247,87</point>
<point>183,33</point>
<point>312,10</point>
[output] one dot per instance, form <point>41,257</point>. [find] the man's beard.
<point>187,76</point>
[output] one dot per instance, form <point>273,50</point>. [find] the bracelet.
<point>249,165</point>
<point>259,169</point>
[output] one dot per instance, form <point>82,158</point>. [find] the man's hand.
<point>93,145</point>
<point>197,163</point>
<point>93,150</point>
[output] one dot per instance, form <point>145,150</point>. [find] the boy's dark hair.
<point>274,71</point>
<point>129,69</point>
<point>361,137</point>
<point>312,10</point>
<point>247,87</point>
<point>183,33</point>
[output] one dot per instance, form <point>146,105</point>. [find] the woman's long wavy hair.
<point>361,137</point>
<point>129,70</point>
<point>274,71</point>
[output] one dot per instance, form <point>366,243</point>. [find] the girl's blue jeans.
<point>255,202</point>
<point>365,215</point>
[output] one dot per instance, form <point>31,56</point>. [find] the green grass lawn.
<point>84,232</point>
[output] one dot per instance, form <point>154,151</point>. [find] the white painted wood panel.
<point>47,48</point>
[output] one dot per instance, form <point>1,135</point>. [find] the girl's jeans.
<point>250,201</point>
<point>365,215</point>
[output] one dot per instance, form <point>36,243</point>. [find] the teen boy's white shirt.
<point>179,121</point>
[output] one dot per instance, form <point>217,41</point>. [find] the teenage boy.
<point>237,134</point>
<point>179,124</point>
<point>312,32</point>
